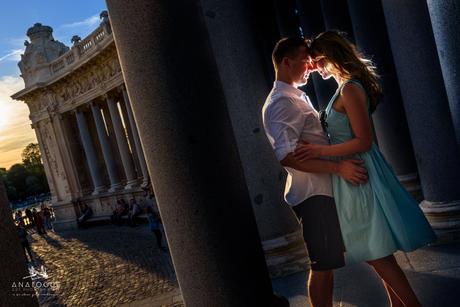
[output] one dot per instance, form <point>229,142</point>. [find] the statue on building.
<point>42,49</point>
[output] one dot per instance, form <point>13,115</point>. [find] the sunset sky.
<point>67,18</point>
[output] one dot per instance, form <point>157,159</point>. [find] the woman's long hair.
<point>348,62</point>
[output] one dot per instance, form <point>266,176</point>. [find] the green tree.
<point>32,160</point>
<point>16,177</point>
<point>31,157</point>
<point>28,178</point>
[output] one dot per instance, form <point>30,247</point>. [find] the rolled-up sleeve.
<point>285,123</point>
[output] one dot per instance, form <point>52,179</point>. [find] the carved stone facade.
<point>90,149</point>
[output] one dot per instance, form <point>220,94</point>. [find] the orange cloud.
<point>15,130</point>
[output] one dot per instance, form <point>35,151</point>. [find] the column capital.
<point>121,88</point>
<point>93,103</point>
<point>74,111</point>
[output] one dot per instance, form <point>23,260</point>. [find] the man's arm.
<point>350,170</point>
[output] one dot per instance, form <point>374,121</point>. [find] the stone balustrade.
<point>81,51</point>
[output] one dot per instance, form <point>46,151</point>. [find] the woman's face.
<point>323,66</point>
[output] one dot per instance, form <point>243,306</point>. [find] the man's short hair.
<point>287,47</point>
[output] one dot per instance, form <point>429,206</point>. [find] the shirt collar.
<point>285,87</point>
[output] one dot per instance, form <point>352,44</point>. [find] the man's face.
<point>300,67</point>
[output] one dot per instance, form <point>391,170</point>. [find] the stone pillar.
<point>288,21</point>
<point>445,20</point>
<point>90,152</point>
<point>287,18</point>
<point>46,164</point>
<point>389,119</point>
<point>106,150</point>
<point>178,102</point>
<point>14,268</point>
<point>113,141</point>
<point>312,22</point>
<point>68,162</point>
<point>337,17</point>
<point>245,93</point>
<point>427,110</point>
<point>137,141</point>
<point>122,143</point>
<point>130,138</point>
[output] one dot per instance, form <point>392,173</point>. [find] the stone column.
<point>130,138</point>
<point>245,93</point>
<point>178,102</point>
<point>427,109</point>
<point>90,152</point>
<point>122,143</point>
<point>288,22</point>
<point>14,268</point>
<point>49,176</point>
<point>68,162</point>
<point>389,119</point>
<point>445,19</point>
<point>287,18</point>
<point>312,22</point>
<point>137,141</point>
<point>337,17</point>
<point>106,150</point>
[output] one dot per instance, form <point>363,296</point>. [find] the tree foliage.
<point>28,178</point>
<point>31,157</point>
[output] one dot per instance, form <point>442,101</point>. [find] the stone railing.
<point>82,49</point>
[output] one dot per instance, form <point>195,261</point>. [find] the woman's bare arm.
<point>355,105</point>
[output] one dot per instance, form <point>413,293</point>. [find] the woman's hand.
<point>305,151</point>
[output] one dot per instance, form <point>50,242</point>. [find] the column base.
<point>115,187</point>
<point>145,184</point>
<point>131,184</point>
<point>444,217</point>
<point>411,183</point>
<point>98,190</point>
<point>286,255</point>
<point>65,217</point>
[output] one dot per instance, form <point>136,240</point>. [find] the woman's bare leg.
<point>389,270</point>
<point>392,297</point>
<point>320,288</point>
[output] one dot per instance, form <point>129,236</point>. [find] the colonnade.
<point>128,150</point>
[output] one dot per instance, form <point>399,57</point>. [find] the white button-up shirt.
<point>288,118</point>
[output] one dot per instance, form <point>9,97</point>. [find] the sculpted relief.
<point>92,77</point>
<point>67,90</point>
<point>50,147</point>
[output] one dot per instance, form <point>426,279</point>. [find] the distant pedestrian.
<point>154,223</point>
<point>38,221</point>
<point>30,217</point>
<point>121,210</point>
<point>134,212</point>
<point>18,217</point>
<point>87,212</point>
<point>46,216</point>
<point>22,233</point>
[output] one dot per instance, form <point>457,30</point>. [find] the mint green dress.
<point>379,217</point>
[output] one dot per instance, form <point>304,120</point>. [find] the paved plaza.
<point>121,266</point>
<point>106,266</point>
<point>433,271</point>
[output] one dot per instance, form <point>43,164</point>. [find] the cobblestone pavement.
<point>105,266</point>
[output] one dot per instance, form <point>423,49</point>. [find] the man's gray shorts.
<point>321,232</point>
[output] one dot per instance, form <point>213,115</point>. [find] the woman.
<point>379,217</point>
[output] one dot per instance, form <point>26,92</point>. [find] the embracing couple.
<point>351,205</point>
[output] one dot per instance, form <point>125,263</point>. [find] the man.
<point>289,118</point>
